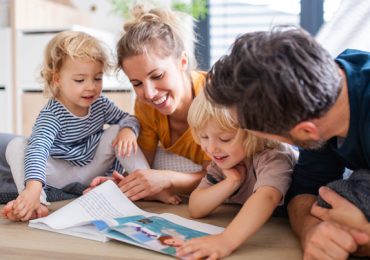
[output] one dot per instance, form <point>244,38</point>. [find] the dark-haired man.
<point>283,85</point>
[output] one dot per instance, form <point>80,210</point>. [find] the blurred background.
<point>27,25</point>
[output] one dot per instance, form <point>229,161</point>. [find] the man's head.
<point>275,80</point>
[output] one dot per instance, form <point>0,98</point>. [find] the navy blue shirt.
<point>317,168</point>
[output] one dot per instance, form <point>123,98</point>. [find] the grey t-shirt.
<point>271,167</point>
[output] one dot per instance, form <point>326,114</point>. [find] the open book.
<point>106,213</point>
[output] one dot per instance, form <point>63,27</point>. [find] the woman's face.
<point>159,82</point>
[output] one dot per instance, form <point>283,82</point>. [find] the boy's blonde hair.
<point>201,111</point>
<point>162,31</point>
<point>73,45</point>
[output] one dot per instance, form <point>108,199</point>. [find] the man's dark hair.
<point>275,80</point>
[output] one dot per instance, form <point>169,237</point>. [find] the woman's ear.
<point>184,61</point>
<point>306,130</point>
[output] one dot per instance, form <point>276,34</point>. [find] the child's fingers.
<point>114,142</point>
<point>27,215</point>
<point>135,146</point>
<point>128,148</point>
<point>117,177</point>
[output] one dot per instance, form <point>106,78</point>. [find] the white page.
<point>193,224</point>
<point>103,202</point>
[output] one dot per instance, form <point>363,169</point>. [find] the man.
<point>283,85</point>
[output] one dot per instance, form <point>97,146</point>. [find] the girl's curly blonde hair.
<point>73,45</point>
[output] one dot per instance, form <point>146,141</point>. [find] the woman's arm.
<point>148,182</point>
<point>254,213</point>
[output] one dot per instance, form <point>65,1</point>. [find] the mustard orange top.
<point>154,128</point>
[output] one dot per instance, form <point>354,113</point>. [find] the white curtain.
<point>349,28</point>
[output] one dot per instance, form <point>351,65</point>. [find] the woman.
<point>158,59</point>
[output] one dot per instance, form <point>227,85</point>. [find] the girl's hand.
<point>208,247</point>
<point>116,178</point>
<point>125,142</point>
<point>236,174</point>
<point>144,183</point>
<point>26,203</point>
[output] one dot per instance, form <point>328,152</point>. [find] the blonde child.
<point>245,170</point>
<point>68,143</point>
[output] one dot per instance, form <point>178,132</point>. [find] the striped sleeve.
<point>115,115</point>
<point>43,134</point>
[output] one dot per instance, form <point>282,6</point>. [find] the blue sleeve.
<point>115,115</point>
<point>315,168</point>
<point>37,152</point>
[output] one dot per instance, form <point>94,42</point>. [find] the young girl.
<point>68,143</point>
<point>244,170</point>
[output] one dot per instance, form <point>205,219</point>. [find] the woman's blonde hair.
<point>73,45</point>
<point>201,111</point>
<point>162,31</point>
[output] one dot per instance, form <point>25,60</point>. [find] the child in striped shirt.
<point>68,143</point>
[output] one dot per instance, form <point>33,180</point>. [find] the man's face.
<point>293,138</point>
<point>308,144</point>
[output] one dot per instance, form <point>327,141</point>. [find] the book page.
<point>156,232</point>
<point>106,201</point>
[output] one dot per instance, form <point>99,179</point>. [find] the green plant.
<point>197,8</point>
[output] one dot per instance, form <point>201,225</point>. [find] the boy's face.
<point>225,148</point>
<point>80,84</point>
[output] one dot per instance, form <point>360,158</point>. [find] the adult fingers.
<point>319,212</point>
<point>331,197</point>
<point>137,193</point>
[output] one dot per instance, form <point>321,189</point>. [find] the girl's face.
<point>159,82</point>
<point>224,147</point>
<point>80,84</point>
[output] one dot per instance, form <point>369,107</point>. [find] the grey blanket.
<point>356,189</point>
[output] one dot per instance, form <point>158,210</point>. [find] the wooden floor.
<point>17,241</point>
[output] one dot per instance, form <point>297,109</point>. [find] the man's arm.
<point>319,239</point>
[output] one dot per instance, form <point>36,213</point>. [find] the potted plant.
<point>196,8</point>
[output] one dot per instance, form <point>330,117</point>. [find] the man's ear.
<point>306,130</point>
<point>184,61</point>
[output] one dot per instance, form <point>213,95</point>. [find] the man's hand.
<point>328,240</point>
<point>347,215</point>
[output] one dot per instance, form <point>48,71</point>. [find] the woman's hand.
<point>144,183</point>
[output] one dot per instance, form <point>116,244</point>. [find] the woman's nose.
<point>149,91</point>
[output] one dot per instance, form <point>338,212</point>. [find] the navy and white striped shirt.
<point>62,135</point>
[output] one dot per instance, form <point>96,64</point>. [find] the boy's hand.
<point>125,142</point>
<point>236,174</point>
<point>27,202</point>
<point>208,247</point>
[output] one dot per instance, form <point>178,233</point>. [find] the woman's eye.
<point>79,80</point>
<point>158,76</point>
<point>204,137</point>
<point>136,83</point>
<point>225,140</point>
<point>98,79</point>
